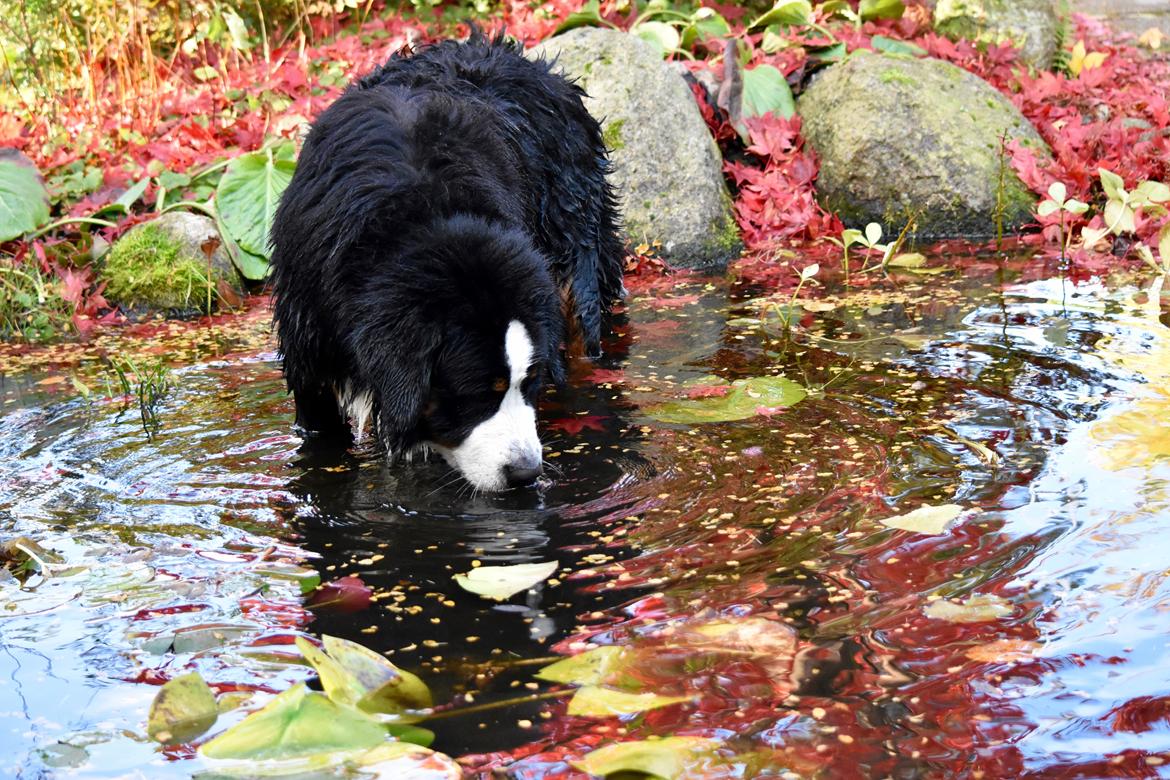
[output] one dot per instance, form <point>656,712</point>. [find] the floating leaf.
<point>358,677</point>
<point>794,12</point>
<point>976,609</point>
<point>248,194</point>
<point>598,702</point>
<point>183,709</point>
<point>908,260</point>
<point>588,668</point>
<point>742,401</point>
<point>925,519</point>
<point>1005,651</point>
<point>881,9</point>
<point>503,582</point>
<point>296,724</point>
<point>24,201</point>
<point>670,758</point>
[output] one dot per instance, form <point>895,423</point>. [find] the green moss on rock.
<point>147,268</point>
<point>924,144</point>
<point>611,134</point>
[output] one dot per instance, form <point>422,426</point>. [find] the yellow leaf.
<point>1152,38</point>
<point>598,702</point>
<point>976,609</point>
<point>1083,60</point>
<point>931,520</point>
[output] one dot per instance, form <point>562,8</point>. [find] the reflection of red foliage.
<point>574,425</point>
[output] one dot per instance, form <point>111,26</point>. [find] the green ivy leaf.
<point>24,201</point>
<point>247,197</point>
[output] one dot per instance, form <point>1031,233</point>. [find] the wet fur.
<point>441,197</point>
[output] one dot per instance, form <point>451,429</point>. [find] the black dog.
<point>447,236</point>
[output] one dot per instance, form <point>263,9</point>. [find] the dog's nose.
<point>521,475</point>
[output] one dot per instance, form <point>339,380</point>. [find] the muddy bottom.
<point>1024,637</point>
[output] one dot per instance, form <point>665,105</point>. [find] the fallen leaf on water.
<point>595,701</point>
<point>668,758</point>
<point>925,519</point>
<point>355,676</point>
<point>503,582</point>
<point>183,709</point>
<point>742,401</point>
<point>342,596</point>
<point>976,609</point>
<point>588,668</point>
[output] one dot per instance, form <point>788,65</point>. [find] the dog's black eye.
<point>500,385</point>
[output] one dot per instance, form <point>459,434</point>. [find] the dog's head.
<point>467,336</point>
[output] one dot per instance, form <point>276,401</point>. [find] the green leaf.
<point>1047,208</point>
<point>598,702</point>
<point>247,197</point>
<point>24,201</point>
<point>894,46</point>
<point>358,677</point>
<point>1074,206</point>
<point>930,520</point>
<point>662,36</point>
<point>238,31</point>
<point>743,400</point>
<point>851,236</point>
<point>416,735</point>
<point>182,709</point>
<point>704,25</point>
<point>873,234</point>
<point>503,582</point>
<point>588,16</point>
<point>671,758</point>
<point>793,12</point>
<point>1164,245</point>
<point>1113,184</point>
<point>205,73</point>
<point>296,724</point>
<point>1153,192</point>
<point>1119,217</point>
<point>131,195</point>
<point>881,9</point>
<point>825,55</point>
<point>766,91</point>
<point>1058,192</point>
<point>908,260</point>
<point>589,668</point>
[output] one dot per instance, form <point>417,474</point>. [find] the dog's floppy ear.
<point>396,360</point>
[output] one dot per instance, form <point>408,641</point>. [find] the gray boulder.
<point>667,169</point>
<point>1032,25</point>
<point>900,137</point>
<point>176,263</point>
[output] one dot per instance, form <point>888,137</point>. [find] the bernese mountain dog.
<point>448,236</point>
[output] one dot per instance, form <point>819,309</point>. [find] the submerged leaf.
<point>598,702</point>
<point>503,582</point>
<point>931,520</point>
<point>976,609</point>
<point>588,668</point>
<point>183,709</point>
<point>743,400</point>
<point>669,758</point>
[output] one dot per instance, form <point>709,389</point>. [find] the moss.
<point>895,76</point>
<point>611,135</point>
<point>148,268</point>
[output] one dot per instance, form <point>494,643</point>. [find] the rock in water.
<point>1031,25</point>
<point>900,137</point>
<point>175,263</point>
<point>667,169</point>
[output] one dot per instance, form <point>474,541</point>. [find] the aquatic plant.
<point>148,384</point>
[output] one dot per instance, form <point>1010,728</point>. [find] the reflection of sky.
<point>1103,582</point>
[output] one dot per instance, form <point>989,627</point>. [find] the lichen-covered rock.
<point>175,263</point>
<point>667,169</point>
<point>900,137</point>
<point>1031,25</point>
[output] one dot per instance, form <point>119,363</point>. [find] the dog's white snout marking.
<point>509,437</point>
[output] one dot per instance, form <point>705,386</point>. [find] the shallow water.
<point>1036,404</point>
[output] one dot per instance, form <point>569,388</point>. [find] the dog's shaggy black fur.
<point>444,195</point>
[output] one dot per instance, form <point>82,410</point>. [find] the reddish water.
<point>1027,639</point>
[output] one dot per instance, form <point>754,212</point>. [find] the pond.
<point>744,565</point>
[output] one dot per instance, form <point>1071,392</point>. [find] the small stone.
<point>1030,25</point>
